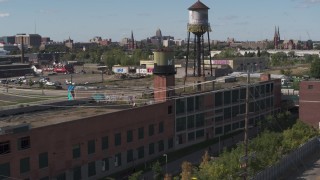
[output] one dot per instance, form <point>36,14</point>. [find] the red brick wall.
<point>309,102</point>
<point>59,139</point>
<point>161,82</point>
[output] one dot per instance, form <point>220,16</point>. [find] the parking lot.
<point>17,90</point>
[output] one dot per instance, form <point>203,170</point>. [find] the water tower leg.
<point>202,50</point>
<point>187,59</point>
<point>209,52</point>
<point>199,55</point>
<point>195,55</point>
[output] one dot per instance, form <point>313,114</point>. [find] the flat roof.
<point>55,116</point>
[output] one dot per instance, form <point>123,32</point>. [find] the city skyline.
<point>115,19</point>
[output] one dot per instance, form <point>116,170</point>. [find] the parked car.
<point>48,83</point>
<point>4,81</point>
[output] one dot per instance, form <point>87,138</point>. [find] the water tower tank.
<point>163,62</point>
<point>198,18</point>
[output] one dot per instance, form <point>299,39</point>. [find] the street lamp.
<point>165,155</point>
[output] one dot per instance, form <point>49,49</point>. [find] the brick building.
<point>309,102</point>
<point>91,142</point>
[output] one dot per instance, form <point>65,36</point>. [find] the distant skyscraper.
<point>159,37</point>
<point>158,33</point>
<point>30,40</point>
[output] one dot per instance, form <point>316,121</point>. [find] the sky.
<point>244,20</point>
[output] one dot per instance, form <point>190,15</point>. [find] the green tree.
<point>297,135</point>
<point>69,56</point>
<point>135,176</point>
<point>278,59</point>
<point>137,55</point>
<point>20,82</point>
<point>228,53</point>
<point>291,54</point>
<point>157,171</point>
<point>265,54</point>
<point>315,68</point>
<point>258,53</point>
<point>30,82</point>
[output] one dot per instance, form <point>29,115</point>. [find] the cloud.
<point>4,14</point>
<point>3,1</point>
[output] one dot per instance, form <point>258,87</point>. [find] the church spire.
<point>132,41</point>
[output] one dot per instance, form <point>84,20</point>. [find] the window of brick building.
<point>24,165</point>
<point>151,148</point>
<point>161,127</point>
<point>104,143</point>
<point>310,86</point>
<point>91,169</point>
<point>91,146</point>
<point>129,136</point>
<point>169,109</point>
<point>105,164</point>
<point>140,152</point>
<point>76,151</point>
<point>5,170</point>
<point>76,172</point>
<point>5,147</point>
<point>117,160</point>
<point>130,155</point>
<point>151,129</point>
<point>160,145</point>
<point>24,143</point>
<point>141,133</point>
<point>43,160</point>
<point>117,139</point>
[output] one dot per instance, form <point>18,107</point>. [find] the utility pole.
<point>244,159</point>
<point>246,128</point>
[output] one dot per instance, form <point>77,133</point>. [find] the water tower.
<point>164,72</point>
<point>198,25</point>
